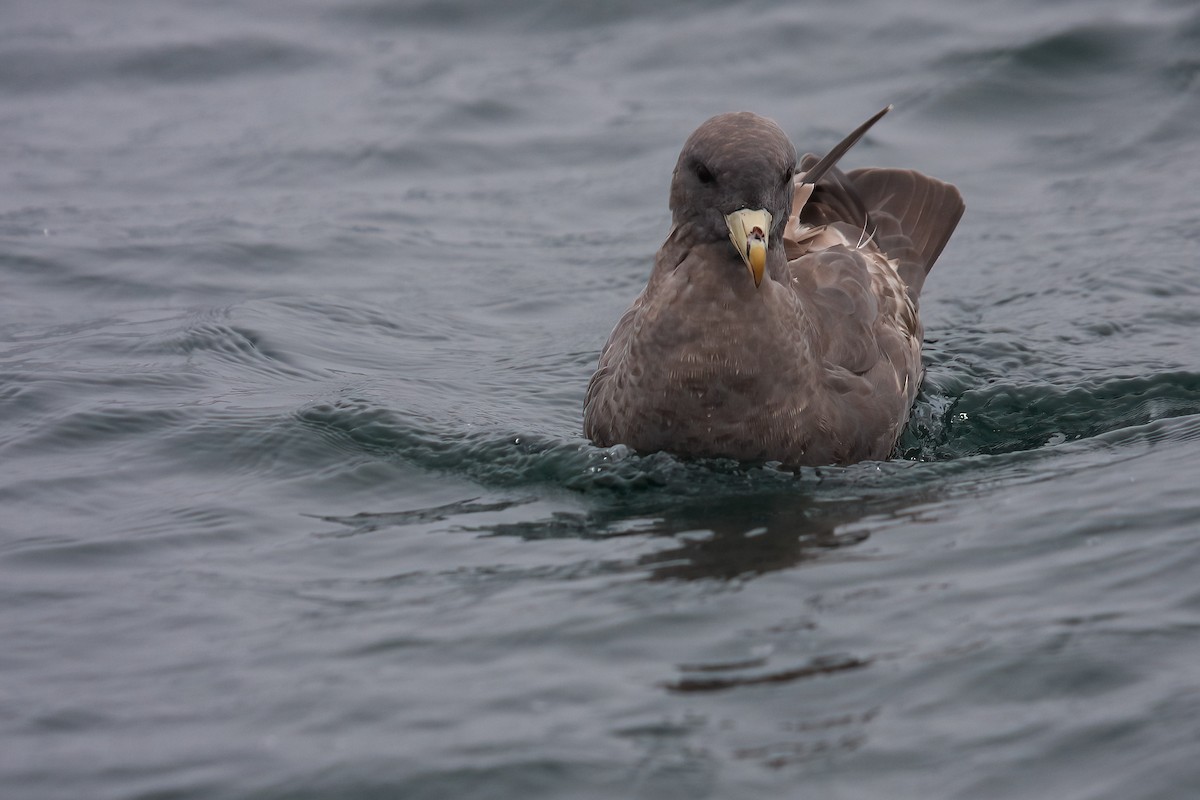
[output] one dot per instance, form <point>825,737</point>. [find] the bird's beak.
<point>749,229</point>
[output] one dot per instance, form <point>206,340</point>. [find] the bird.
<point>780,320</point>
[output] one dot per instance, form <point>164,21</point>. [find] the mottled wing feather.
<point>841,307</point>
<point>915,215</point>
<point>598,426</point>
<point>849,253</point>
<point>909,216</point>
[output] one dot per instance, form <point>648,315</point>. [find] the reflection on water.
<point>715,536</point>
<point>743,536</point>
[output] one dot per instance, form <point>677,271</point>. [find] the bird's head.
<point>733,182</point>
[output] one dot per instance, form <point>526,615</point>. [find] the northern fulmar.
<point>780,319</point>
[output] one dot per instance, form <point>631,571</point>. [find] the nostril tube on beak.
<point>748,232</point>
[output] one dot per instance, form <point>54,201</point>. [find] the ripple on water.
<point>1002,418</point>
<point>49,68</point>
<point>992,419</point>
<point>1023,77</point>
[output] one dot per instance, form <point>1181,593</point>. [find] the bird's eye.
<point>787,178</point>
<point>703,173</point>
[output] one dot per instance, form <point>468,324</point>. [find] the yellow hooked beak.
<point>749,229</point>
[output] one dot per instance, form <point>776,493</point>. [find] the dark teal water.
<point>298,302</point>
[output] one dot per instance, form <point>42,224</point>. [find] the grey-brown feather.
<point>818,365</point>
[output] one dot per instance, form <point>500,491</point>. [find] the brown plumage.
<point>809,356</point>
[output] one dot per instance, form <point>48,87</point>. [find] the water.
<point>299,301</point>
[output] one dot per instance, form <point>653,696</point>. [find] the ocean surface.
<point>298,304</point>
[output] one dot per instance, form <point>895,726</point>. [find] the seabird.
<point>780,319</point>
